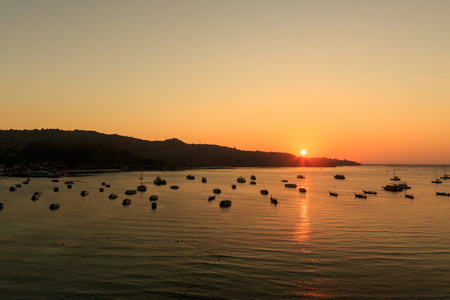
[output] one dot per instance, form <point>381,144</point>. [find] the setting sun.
<point>303,152</point>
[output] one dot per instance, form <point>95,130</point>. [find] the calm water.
<point>310,245</point>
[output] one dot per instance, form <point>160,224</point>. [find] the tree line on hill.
<point>92,150</point>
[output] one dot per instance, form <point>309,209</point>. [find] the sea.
<point>309,246</point>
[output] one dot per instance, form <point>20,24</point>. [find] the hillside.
<point>92,150</point>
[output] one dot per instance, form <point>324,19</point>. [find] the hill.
<point>80,149</point>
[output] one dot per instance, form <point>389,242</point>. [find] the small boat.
<point>233,186</point>
<point>210,198</point>
<point>18,185</point>
<point>190,177</point>
<point>437,180</point>
<point>302,190</point>
<point>141,187</point>
<point>113,196</point>
<point>370,192</point>
<point>56,189</point>
<point>333,193</point>
<point>204,179</point>
<point>107,185</point>
<point>174,187</point>
<point>53,180</point>
<point>12,188</point>
<point>409,196</point>
<point>241,179</point>
<point>360,196</point>
<point>126,202</point>
<point>68,182</point>
<point>253,177</point>
<point>84,193</point>
<point>225,203</point>
<point>25,182</point>
<point>445,176</point>
<point>69,186</point>
<point>392,188</point>
<point>103,183</point>
<point>264,192</point>
<point>154,205</point>
<point>159,181</point>
<point>252,182</point>
<point>36,196</point>
<point>290,185</point>
<point>284,180</point>
<point>394,177</point>
<point>54,206</point>
<point>217,191</point>
<point>442,194</point>
<point>101,190</point>
<point>273,200</point>
<point>339,176</point>
<point>301,176</point>
<point>130,192</point>
<point>403,185</point>
<point>153,198</point>
<point>1,205</point>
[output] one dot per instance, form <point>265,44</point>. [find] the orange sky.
<point>359,80</point>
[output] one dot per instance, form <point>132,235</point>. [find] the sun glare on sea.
<point>303,152</point>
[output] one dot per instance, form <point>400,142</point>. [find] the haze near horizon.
<point>359,80</point>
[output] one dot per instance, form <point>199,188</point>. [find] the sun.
<point>303,152</point>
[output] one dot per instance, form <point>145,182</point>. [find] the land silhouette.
<point>79,149</point>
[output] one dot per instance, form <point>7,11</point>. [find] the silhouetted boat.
<point>12,188</point>
<point>370,192</point>
<point>339,176</point>
<point>360,196</point>
<point>211,198</point>
<point>56,189</point>
<point>333,193</point>
<point>130,192</point>
<point>225,203</point>
<point>126,202</point>
<point>141,187</point>
<point>68,182</point>
<point>174,187</point>
<point>394,177</point>
<point>159,181</point>
<point>273,200</point>
<point>154,205</point>
<point>264,192</point>
<point>392,188</point>
<point>284,180</point>
<point>1,205</point>
<point>233,186</point>
<point>241,179</point>
<point>403,186</point>
<point>442,194</point>
<point>290,185</point>
<point>113,196</point>
<point>253,177</point>
<point>153,198</point>
<point>54,206</point>
<point>409,196</point>
<point>302,190</point>
<point>445,176</point>
<point>84,193</point>
<point>437,180</point>
<point>217,191</point>
<point>36,196</point>
<point>101,190</point>
<point>253,182</point>
<point>301,176</point>
<point>204,179</point>
<point>190,177</point>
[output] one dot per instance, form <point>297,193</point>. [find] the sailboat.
<point>395,178</point>
<point>446,176</point>
<point>437,180</point>
<point>142,187</point>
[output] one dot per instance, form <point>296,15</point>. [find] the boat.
<point>36,196</point>
<point>210,198</point>
<point>392,188</point>
<point>360,196</point>
<point>130,192</point>
<point>225,203</point>
<point>302,190</point>
<point>273,200</point>
<point>442,194</point>
<point>159,181</point>
<point>301,176</point>
<point>56,189</point>
<point>103,183</point>
<point>12,189</point>
<point>437,180</point>
<point>69,186</point>
<point>290,185</point>
<point>403,185</point>
<point>113,196</point>
<point>409,196</point>
<point>153,198</point>
<point>174,187</point>
<point>53,180</point>
<point>394,177</point>
<point>101,190</point>
<point>154,205</point>
<point>204,179</point>
<point>18,185</point>
<point>141,187</point>
<point>445,176</point>
<point>370,192</point>
<point>217,191</point>
<point>241,179</point>
<point>339,176</point>
<point>233,186</point>
<point>284,180</point>
<point>126,202</point>
<point>68,182</point>
<point>333,193</point>
<point>253,177</point>
<point>54,206</point>
<point>84,193</point>
<point>25,182</point>
<point>190,177</point>
<point>1,205</point>
<point>264,192</point>
<point>252,182</point>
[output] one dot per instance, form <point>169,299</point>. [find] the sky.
<point>367,81</point>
